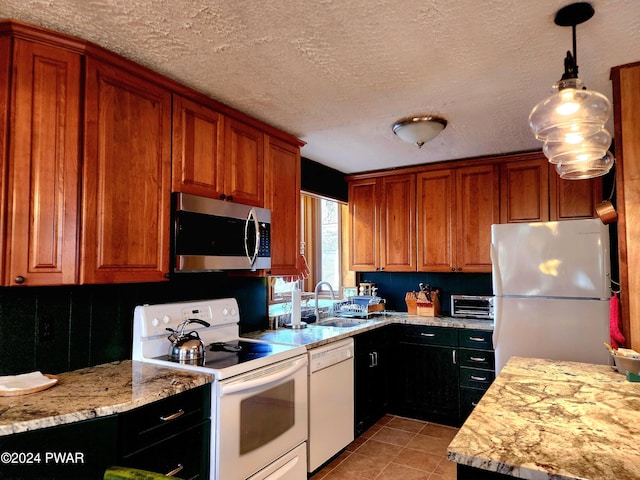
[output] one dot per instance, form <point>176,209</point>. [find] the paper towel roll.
<point>296,296</point>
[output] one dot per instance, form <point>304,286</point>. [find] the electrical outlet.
<point>45,330</point>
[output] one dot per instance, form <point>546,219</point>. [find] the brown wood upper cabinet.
<point>216,156</point>
<point>282,197</point>
<point>532,191</point>
<point>573,199</point>
<point>43,178</point>
<point>198,149</point>
<point>456,207</point>
<point>524,190</point>
<point>382,212</point>
<point>126,177</point>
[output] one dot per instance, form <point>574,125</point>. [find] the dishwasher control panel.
<point>331,354</point>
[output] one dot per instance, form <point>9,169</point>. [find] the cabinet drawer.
<point>186,452</point>
<point>476,378</point>
<point>429,335</point>
<point>476,339</point>
<point>477,359</point>
<point>469,398</point>
<point>164,418</point>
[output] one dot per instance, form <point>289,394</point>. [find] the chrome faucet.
<point>333,296</point>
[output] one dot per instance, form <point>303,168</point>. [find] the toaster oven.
<point>472,306</point>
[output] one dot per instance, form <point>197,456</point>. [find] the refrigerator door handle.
<point>497,279</point>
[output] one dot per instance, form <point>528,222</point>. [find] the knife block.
<point>426,308</point>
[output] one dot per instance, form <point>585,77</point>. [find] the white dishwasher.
<point>331,401</point>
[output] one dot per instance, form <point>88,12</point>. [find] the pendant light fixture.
<point>571,122</point>
<point>419,130</point>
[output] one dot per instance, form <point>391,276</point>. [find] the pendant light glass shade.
<point>571,113</point>
<point>571,122</point>
<point>586,169</point>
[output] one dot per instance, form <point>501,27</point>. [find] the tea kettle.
<point>186,347</point>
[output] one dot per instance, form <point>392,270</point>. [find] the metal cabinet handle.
<point>474,404</point>
<point>454,358</point>
<point>477,359</point>
<point>428,334</point>
<point>19,279</point>
<point>373,359</point>
<point>479,379</point>
<point>173,416</point>
<point>178,469</point>
<point>476,339</point>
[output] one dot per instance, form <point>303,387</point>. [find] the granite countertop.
<point>544,419</point>
<point>95,392</point>
<point>316,336</point>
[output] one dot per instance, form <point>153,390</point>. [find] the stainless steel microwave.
<point>472,306</point>
<point>213,235</point>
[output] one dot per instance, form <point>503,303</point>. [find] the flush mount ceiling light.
<point>419,130</point>
<point>571,122</point>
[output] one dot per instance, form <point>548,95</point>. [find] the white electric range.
<point>259,395</point>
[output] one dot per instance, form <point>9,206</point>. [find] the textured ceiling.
<point>338,73</point>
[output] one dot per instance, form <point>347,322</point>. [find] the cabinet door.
<point>372,363</point>
<point>398,223</point>
<point>43,166</point>
<point>5,76</point>
<point>363,210</point>
<point>524,191</point>
<point>573,199</point>
<point>197,150</point>
<point>244,167</point>
<point>436,207</point>
<point>126,177</point>
<point>477,208</point>
<point>427,388</point>
<point>283,199</point>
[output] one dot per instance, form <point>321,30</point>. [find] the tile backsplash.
<point>57,329</point>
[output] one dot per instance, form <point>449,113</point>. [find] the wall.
<point>322,180</point>
<point>393,286</point>
<point>57,329</point>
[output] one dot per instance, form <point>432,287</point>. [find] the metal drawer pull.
<point>178,469</point>
<point>476,339</point>
<point>474,404</point>
<point>479,379</point>
<point>428,334</point>
<point>477,359</point>
<point>454,358</point>
<point>173,416</point>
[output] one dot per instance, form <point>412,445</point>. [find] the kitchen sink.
<point>340,322</point>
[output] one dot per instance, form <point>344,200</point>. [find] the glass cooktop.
<point>222,355</point>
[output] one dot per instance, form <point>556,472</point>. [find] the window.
<point>329,247</point>
<point>323,227</point>
<point>324,247</point>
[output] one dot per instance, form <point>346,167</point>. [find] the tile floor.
<point>395,448</point>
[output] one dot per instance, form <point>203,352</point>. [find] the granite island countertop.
<point>95,392</point>
<point>315,335</point>
<point>544,419</point>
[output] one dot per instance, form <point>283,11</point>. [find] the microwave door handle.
<point>252,256</point>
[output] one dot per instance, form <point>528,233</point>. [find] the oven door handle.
<point>263,381</point>
<point>253,216</point>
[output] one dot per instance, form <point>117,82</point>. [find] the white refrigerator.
<point>551,282</point>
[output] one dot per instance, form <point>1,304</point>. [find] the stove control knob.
<point>225,311</point>
<point>155,322</point>
<point>233,311</point>
<point>166,319</point>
